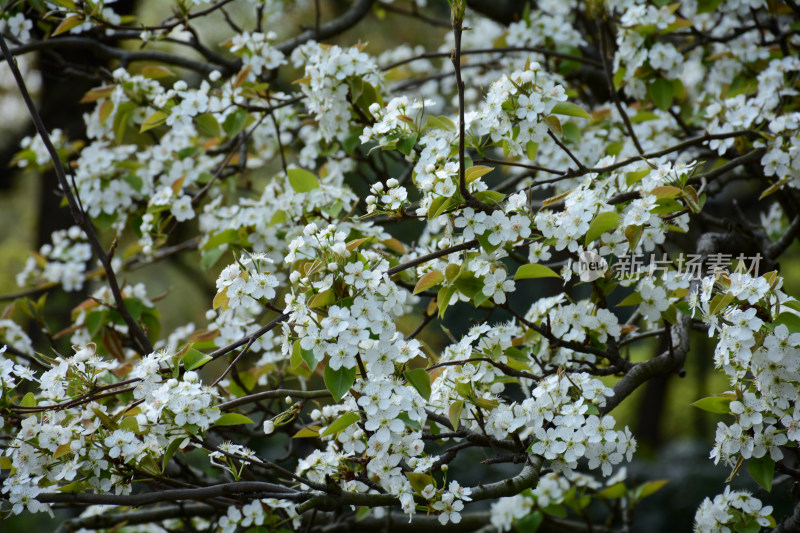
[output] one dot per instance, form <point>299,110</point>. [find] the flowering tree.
<point>348,201</point>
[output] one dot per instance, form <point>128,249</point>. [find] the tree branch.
<point>274,394</point>
<point>125,56</point>
<point>197,494</point>
<point>665,363</point>
<point>78,214</point>
<point>334,27</point>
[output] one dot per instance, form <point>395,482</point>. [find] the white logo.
<point>591,265</point>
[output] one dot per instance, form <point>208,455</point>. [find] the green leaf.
<point>529,523</point>
<point>707,6</point>
<point>171,449</point>
<point>473,173</point>
<point>104,418</point>
<point>322,299</point>
<point>436,203</point>
<point>762,470</point>
<point>572,132</point>
<point>617,490</point>
<point>308,357</point>
<point>556,510</point>
<point>154,120</point>
<point>666,192</point>
<point>464,389</point>
<point>128,423</point>
<point>444,206</point>
<point>413,424</point>
<point>296,359</point>
<point>485,403</point>
<point>94,322</point>
<point>421,381</point>
<point>278,217</point>
<point>67,24</point>
<point>619,77</point>
<point>134,181</point>
<point>362,513</point>
<point>122,119</point>
<point>302,180</point>
<point>454,413</point>
<point>341,423</point>
<point>646,489</point>
<point>232,419</point>
<point>533,270</point>
<point>554,124</point>
<point>602,223</point>
<point>720,302</point>
<point>479,298</point>
<point>468,285</point>
<point>633,234</point>
<point>208,125</point>
<point>636,176</point>
<point>531,148</point>
<point>441,122</point>
<point>632,299</point>
<point>790,320</point>
<point>419,481</point>
<point>333,210</point>
<point>555,199</point>
<point>661,92</point>
<point>792,304</point>
<point>211,257</point>
<point>644,116</point>
<point>195,359</point>
<point>406,144</point>
<point>714,404</point>
<point>155,72</point>
<point>307,433</point>
<point>105,111</point>
<point>223,237</point>
<point>428,280</point>
<point>483,239</point>
<point>490,197</point>
<point>105,220</point>
<point>443,298</point>
<point>570,109</point>
<point>339,381</point>
<point>234,123</point>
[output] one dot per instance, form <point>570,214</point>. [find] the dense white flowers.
<point>316,287</point>
<point>730,511</point>
<point>332,72</point>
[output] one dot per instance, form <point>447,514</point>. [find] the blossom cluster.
<point>759,353</point>
<point>732,510</point>
<point>57,445</point>
<point>64,261</point>
<point>331,73</point>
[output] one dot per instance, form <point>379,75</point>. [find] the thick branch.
<point>334,27</point>
<point>145,516</point>
<point>125,56</point>
<point>527,478</point>
<point>197,494</point>
<point>663,364</point>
